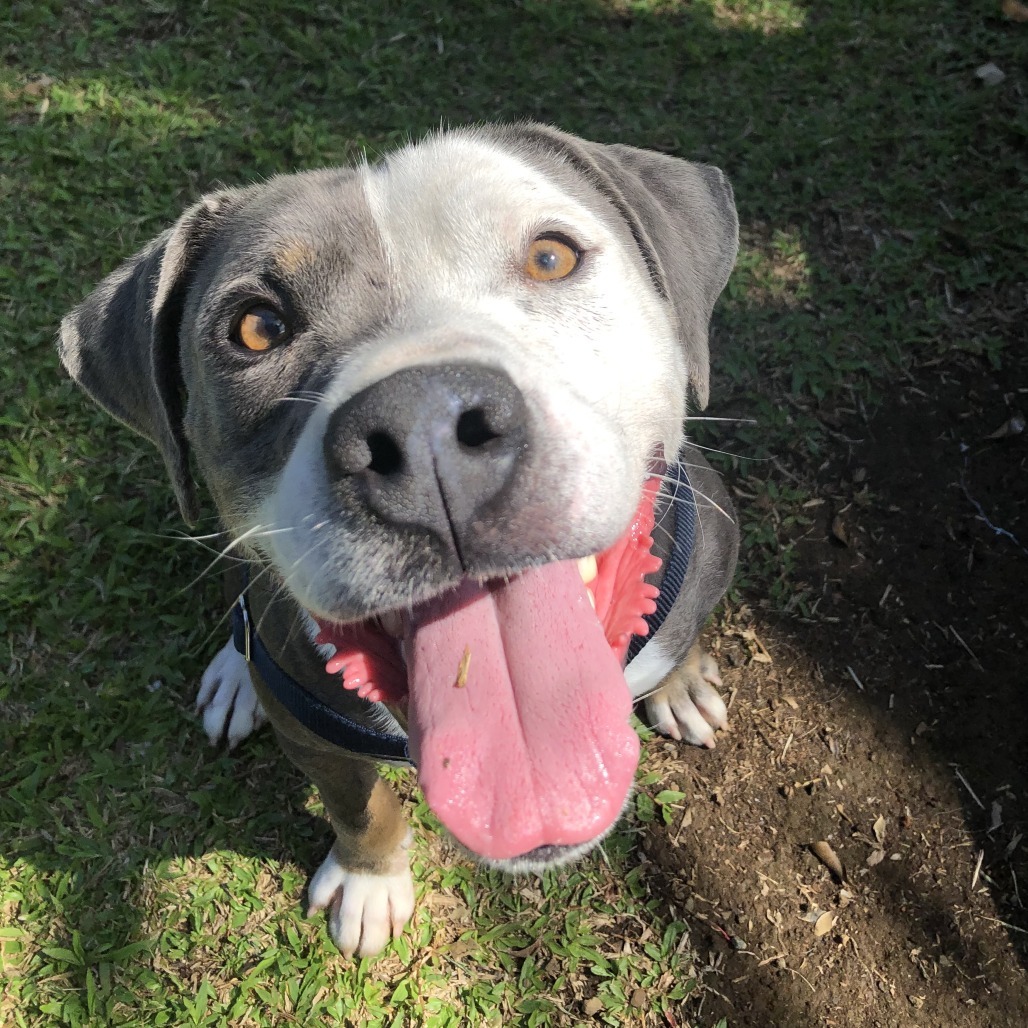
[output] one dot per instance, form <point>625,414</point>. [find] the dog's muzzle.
<point>429,446</point>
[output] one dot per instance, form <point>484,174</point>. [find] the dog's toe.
<point>230,707</point>
<point>686,705</point>
<point>365,910</point>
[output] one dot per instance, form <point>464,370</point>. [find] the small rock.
<point>639,999</point>
<point>591,1007</point>
<point>990,74</point>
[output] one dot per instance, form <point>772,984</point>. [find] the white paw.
<point>365,910</point>
<point>686,705</point>
<point>230,707</point>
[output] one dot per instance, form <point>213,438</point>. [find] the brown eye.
<point>550,259</point>
<point>261,328</point>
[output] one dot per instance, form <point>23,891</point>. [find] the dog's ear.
<point>121,344</point>
<point>683,219</point>
<point>687,229</point>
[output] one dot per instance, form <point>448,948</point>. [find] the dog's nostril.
<point>473,428</point>
<point>386,458</point>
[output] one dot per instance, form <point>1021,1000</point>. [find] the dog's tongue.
<point>518,713</point>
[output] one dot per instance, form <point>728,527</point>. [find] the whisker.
<point>724,453</point>
<point>255,531</point>
<point>228,613</point>
<point>298,399</point>
<point>711,504</point>
<point>284,584</point>
<point>186,537</point>
<point>733,421</point>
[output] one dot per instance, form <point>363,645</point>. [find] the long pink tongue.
<point>518,714</point>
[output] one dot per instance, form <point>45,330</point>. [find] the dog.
<point>439,403</point>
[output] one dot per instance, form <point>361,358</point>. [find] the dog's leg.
<point>365,881</point>
<point>686,704</point>
<point>230,707</point>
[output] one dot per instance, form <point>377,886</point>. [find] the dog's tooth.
<point>587,568</point>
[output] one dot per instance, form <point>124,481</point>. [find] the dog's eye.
<point>260,328</point>
<point>550,259</point>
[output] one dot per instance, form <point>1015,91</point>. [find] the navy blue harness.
<point>337,728</point>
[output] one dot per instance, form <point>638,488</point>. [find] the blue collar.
<point>341,731</point>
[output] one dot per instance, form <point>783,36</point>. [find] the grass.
<point>147,880</point>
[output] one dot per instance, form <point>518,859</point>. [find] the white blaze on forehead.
<point>452,208</point>
<point>456,214</point>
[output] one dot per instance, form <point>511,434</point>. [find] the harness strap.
<point>320,718</point>
<point>683,497</point>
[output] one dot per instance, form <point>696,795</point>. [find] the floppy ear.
<point>683,219</point>
<point>121,344</point>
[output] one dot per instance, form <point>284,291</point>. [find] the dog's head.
<point>421,391</point>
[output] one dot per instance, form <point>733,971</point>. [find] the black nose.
<point>430,446</point>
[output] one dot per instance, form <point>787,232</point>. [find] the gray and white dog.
<point>439,402</point>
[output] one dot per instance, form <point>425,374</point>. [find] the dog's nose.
<point>429,446</point>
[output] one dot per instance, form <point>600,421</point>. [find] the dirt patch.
<point>891,724</point>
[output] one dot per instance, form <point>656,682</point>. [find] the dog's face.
<point>407,384</point>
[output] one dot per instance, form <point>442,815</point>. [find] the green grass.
<point>147,880</point>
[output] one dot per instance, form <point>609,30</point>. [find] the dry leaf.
<point>829,858</point>
<point>879,829</point>
<point>839,530</point>
<point>876,857</point>
<point>824,924</point>
<point>1015,10</point>
<point>997,815</point>
<point>1012,845</point>
<point>1014,425</point>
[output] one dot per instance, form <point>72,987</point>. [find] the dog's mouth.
<point>517,705</point>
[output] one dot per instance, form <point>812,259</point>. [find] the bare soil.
<point>891,724</point>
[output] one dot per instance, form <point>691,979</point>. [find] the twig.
<point>853,675</point>
<point>966,647</point>
<point>1006,924</point>
<point>967,786</point>
<point>977,868</point>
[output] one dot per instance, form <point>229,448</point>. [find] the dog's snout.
<point>429,446</point>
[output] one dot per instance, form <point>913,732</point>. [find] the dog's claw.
<point>230,707</point>
<point>365,910</point>
<point>686,706</point>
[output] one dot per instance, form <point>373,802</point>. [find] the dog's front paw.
<point>230,707</point>
<point>365,910</point>
<point>686,705</point>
